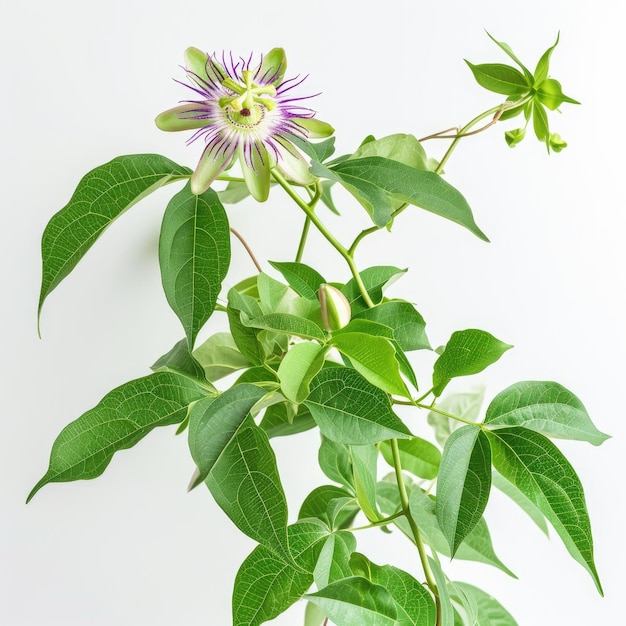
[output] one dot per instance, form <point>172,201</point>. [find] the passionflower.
<point>246,113</point>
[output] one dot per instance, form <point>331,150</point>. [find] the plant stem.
<point>434,409</point>
<point>343,251</point>
<point>380,522</point>
<point>303,237</point>
<point>465,131</point>
<point>404,500</point>
<point>248,249</point>
<point>372,229</point>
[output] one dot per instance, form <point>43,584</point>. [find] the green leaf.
<point>364,471</point>
<point>541,472</point>
<point>464,605</point>
<point>376,329</point>
<point>374,358</point>
<point>218,356</point>
<point>540,123</point>
<point>245,483</point>
<point>313,615</point>
<point>464,405</point>
<point>318,505</point>
<point>399,147</point>
<point>286,324</point>
<point>508,50</point>
<point>463,484</point>
<point>318,151</point>
<point>84,448</point>
<point>500,78</point>
<point>490,611</point>
<point>180,361</point>
<point>545,407</point>
<point>333,561</point>
<point>279,420</point>
<point>327,198</point>
<point>375,279</point>
<point>304,280</point>
<point>335,461</point>
<point>407,324</point>
<point>244,337</point>
<point>467,352</point>
<point>350,410</point>
<point>266,585</point>
<point>101,196</point>
<point>418,456</point>
<point>377,182</point>
<point>477,545</point>
<point>509,489</point>
<point>194,255</point>
<point>302,362</point>
<point>414,604</point>
<point>356,600</point>
<point>543,66</point>
<point>235,191</point>
<point>447,611</point>
<point>551,94</point>
<point>215,422</point>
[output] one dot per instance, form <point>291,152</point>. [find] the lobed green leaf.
<point>246,485</point>
<point>356,600</point>
<point>378,183</point>
<point>545,407</point>
<point>541,472</point>
<point>463,484</point>
<point>374,358</point>
<point>266,585</point>
<point>418,456</point>
<point>304,280</point>
<point>348,409</point>
<point>467,352</point>
<point>215,422</point>
<point>333,562</point>
<point>194,255</point>
<point>500,78</point>
<point>101,197</point>
<point>414,604</point>
<point>84,448</point>
<point>409,327</point>
<point>219,356</point>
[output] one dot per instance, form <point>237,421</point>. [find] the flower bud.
<point>336,311</point>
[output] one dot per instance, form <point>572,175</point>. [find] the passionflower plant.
<point>246,113</point>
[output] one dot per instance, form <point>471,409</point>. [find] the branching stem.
<point>417,537</point>
<point>343,251</point>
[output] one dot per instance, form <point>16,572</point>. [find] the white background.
<point>82,82</point>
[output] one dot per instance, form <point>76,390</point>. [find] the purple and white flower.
<point>245,113</point>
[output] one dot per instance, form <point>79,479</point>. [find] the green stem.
<point>303,237</point>
<point>343,251</point>
<point>434,409</point>
<point>231,179</point>
<point>380,522</point>
<point>496,112</point>
<point>372,229</point>
<point>419,542</point>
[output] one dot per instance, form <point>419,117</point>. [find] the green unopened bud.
<point>513,137</point>
<point>557,143</point>
<point>336,311</point>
